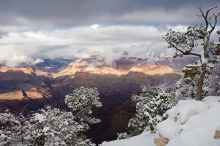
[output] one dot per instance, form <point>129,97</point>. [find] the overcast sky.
<point>31,30</point>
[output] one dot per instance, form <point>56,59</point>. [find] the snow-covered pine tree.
<point>185,43</point>
<point>81,101</point>
<point>46,127</point>
<point>150,107</point>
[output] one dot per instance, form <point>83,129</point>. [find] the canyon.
<point>29,88</point>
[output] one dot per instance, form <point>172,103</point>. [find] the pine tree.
<point>81,101</point>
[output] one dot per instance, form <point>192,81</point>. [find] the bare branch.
<point>215,23</point>
<point>207,12</point>
<point>205,16</point>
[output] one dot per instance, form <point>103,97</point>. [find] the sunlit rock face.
<point>27,70</point>
<point>33,93</point>
<point>29,81</point>
<point>23,90</point>
<point>15,82</point>
<point>21,84</point>
<point>121,67</point>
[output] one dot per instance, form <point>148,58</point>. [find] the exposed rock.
<point>12,95</point>
<point>217,134</point>
<point>27,70</point>
<point>122,67</point>
<point>191,71</point>
<point>217,50</point>
<point>161,141</point>
<point>165,117</point>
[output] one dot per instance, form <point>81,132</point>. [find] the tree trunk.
<point>202,76</point>
<point>80,122</point>
<point>200,83</point>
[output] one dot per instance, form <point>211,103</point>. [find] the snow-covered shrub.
<point>46,127</point>
<point>14,130</point>
<point>213,81</point>
<point>123,135</point>
<point>150,107</point>
<point>56,127</point>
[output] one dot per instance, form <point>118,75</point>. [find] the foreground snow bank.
<point>190,122</point>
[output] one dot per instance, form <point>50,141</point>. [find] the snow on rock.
<point>144,139</point>
<point>192,122</point>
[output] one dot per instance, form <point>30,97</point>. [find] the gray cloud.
<point>108,42</point>
<point>63,13</point>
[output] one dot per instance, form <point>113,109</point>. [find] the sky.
<point>32,30</point>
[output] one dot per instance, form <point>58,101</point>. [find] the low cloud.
<point>106,42</point>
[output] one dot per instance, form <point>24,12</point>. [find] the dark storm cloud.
<point>82,12</point>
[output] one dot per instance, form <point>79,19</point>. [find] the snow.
<point>192,122</point>
<point>144,139</point>
<point>211,65</point>
<point>186,108</point>
<point>203,59</point>
<point>191,65</point>
<point>167,128</point>
<point>189,123</point>
<point>46,129</point>
<point>199,130</point>
<point>40,117</point>
<point>218,128</point>
<point>211,99</point>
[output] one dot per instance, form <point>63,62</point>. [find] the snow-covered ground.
<point>189,123</point>
<point>143,139</point>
